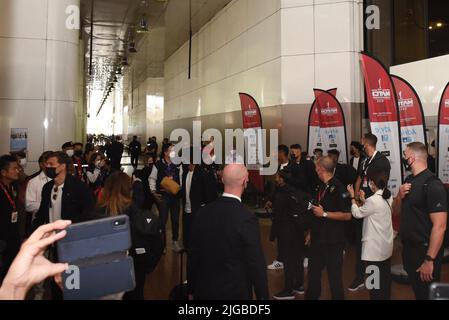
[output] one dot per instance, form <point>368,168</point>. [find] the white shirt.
<point>355,163</point>
<point>377,238</point>
<point>56,203</point>
<point>33,193</point>
<point>228,195</point>
<point>188,206</point>
<point>93,176</point>
<point>282,166</point>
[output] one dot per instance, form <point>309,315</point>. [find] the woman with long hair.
<point>377,236</point>
<point>96,172</point>
<point>146,249</point>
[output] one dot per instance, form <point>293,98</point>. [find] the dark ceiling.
<point>115,22</point>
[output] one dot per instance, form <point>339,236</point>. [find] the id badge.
<point>365,182</point>
<point>14,217</point>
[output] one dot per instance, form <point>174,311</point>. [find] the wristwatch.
<point>429,259</point>
<point>325,214</point>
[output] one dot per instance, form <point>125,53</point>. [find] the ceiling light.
<point>143,25</point>
<point>430,27</point>
<point>439,24</point>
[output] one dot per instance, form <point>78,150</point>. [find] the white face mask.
<point>23,162</point>
<point>70,153</point>
<point>172,155</point>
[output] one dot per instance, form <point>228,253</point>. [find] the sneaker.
<point>176,246</point>
<point>276,265</point>
<point>298,289</point>
<point>306,263</point>
<point>356,285</point>
<point>285,295</point>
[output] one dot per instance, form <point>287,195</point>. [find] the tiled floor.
<point>166,275</point>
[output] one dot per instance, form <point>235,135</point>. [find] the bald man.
<point>226,260</point>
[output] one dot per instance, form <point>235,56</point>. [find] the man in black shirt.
<point>343,172</point>
<point>377,162</point>
<point>290,206</point>
<point>302,170</point>
<point>422,203</point>
<point>328,232</point>
<point>9,227</point>
<point>115,152</point>
<point>135,148</point>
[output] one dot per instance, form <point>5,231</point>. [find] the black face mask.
<point>51,173</point>
<point>78,153</point>
<point>293,157</point>
<point>407,166</point>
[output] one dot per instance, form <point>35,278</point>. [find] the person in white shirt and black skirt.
<point>377,234</point>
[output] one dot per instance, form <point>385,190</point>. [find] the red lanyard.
<point>79,167</point>
<point>322,194</point>
<point>11,201</point>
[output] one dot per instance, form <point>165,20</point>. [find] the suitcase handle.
<point>181,267</point>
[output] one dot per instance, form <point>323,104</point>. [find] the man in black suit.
<point>193,197</point>
<point>227,261</point>
<point>65,197</point>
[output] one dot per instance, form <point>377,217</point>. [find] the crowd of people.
<point>318,207</point>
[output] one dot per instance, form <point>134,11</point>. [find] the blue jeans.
<point>170,204</point>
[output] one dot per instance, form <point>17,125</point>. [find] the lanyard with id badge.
<point>365,170</point>
<point>14,214</point>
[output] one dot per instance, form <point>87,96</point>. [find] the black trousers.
<point>140,261</point>
<point>359,265</point>
<point>383,291</point>
<point>413,257</point>
<point>274,233</point>
<point>116,162</point>
<point>134,159</point>
<point>329,256</point>
<point>291,243</point>
<point>170,204</point>
<point>186,229</point>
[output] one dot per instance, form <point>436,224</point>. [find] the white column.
<point>38,74</point>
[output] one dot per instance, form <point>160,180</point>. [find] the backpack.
<point>147,233</point>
